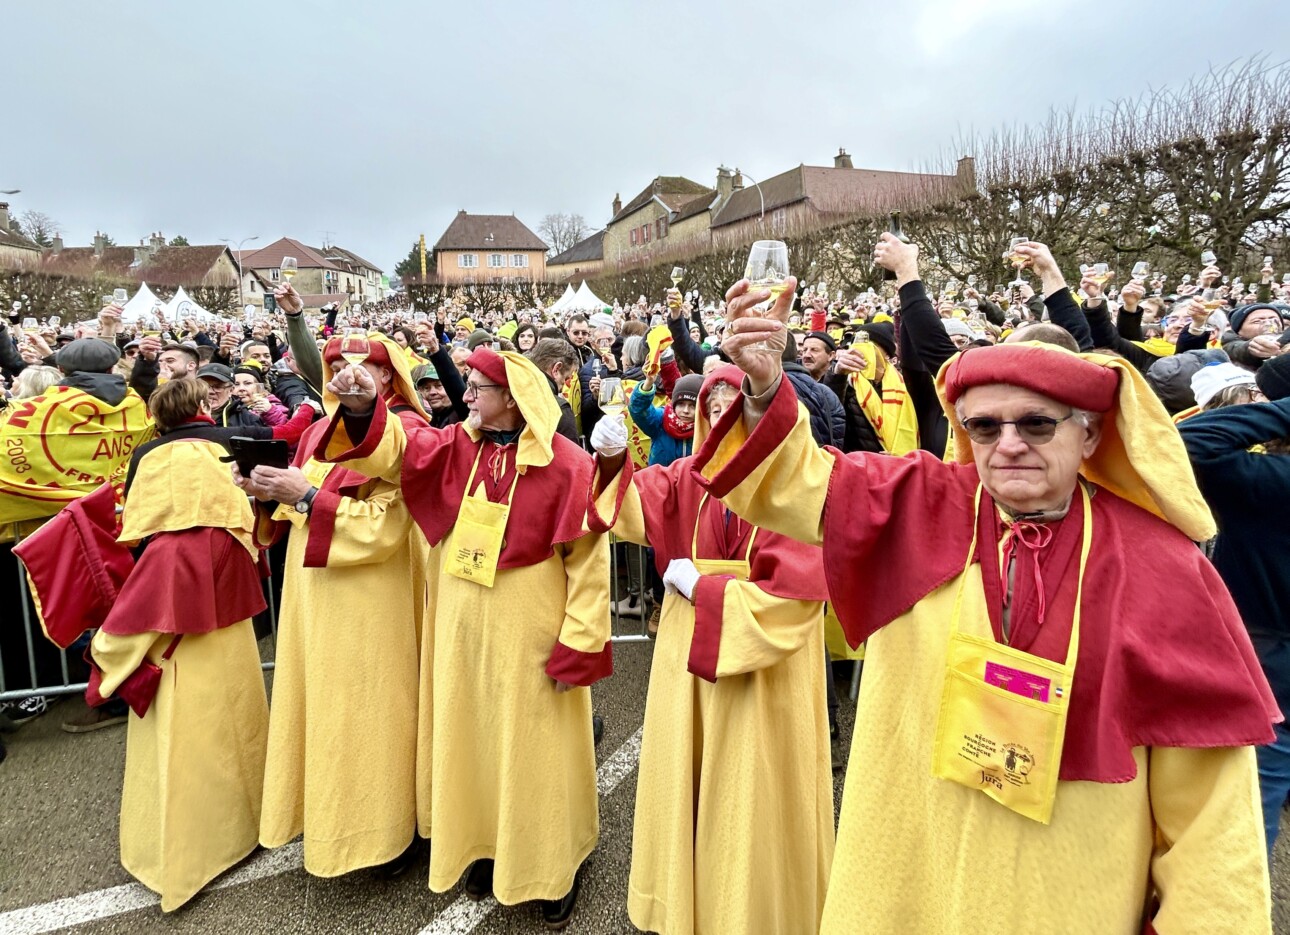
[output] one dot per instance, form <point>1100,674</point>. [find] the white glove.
<point>681,578</point>
<point>609,437</point>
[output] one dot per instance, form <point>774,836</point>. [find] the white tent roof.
<point>584,301</point>
<point>564,300</point>
<point>141,303</point>
<point>182,306</point>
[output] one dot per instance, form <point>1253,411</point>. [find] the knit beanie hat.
<point>1238,316</point>
<point>1171,376</point>
<point>1207,382</point>
<point>477,337</point>
<point>687,388</point>
<point>1274,377</point>
<point>953,326</point>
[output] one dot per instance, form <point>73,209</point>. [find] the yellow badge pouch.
<point>479,533</point>
<point>1002,720</point>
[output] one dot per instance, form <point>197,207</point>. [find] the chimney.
<point>725,184</point>
<point>100,243</point>
<point>57,246</point>
<point>738,182</point>
<point>842,160</point>
<point>618,204</point>
<point>156,240</point>
<point>966,174</point>
<point>4,215</point>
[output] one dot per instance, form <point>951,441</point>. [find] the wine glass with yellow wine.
<point>355,348</point>
<point>678,274</point>
<point>767,269</point>
<point>290,266</point>
<point>613,401</point>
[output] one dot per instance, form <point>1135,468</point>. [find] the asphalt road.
<point>60,794</point>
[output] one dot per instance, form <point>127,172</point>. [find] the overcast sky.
<point>377,122</point>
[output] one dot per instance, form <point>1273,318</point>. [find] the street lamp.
<point>237,259</point>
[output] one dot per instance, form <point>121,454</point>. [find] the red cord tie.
<point>1034,537</point>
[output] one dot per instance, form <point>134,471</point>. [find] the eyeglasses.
<point>1034,430</point>
<point>472,389</point>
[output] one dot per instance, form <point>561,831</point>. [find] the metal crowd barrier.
<point>627,569</point>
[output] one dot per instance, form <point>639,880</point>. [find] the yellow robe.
<point>512,760</point>
<point>734,804</point>
<point>920,854</point>
<point>342,733</point>
<point>194,766</point>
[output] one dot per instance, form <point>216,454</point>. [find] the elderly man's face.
<point>433,394</point>
<point>217,392</point>
<point>1028,477</point>
<point>459,357</point>
<point>491,405</point>
<point>1261,321</point>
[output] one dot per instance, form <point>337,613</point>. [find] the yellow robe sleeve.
<point>363,531</point>
<point>777,477</point>
<point>739,628</point>
<point>626,520</point>
<point>583,653</point>
<point>119,656</point>
<point>1210,866</point>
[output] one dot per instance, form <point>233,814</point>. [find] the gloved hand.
<point>609,437</point>
<point>681,577</point>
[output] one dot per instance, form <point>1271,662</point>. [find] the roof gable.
<point>270,257</point>
<point>672,191</point>
<point>584,251</point>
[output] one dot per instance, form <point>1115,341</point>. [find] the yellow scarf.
<point>890,413</point>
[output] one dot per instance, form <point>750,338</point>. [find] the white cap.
<point>1209,381</point>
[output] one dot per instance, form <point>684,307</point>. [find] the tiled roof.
<point>696,206</point>
<point>584,251</point>
<point>673,190</point>
<point>165,266</point>
<point>347,257</point>
<point>270,257</point>
<point>11,238</point>
<point>488,232</point>
<point>834,191</point>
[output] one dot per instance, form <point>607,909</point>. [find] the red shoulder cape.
<point>1164,659</point>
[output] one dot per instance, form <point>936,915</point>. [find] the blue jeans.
<point>1274,781</point>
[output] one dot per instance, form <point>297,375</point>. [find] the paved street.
<point>59,868</point>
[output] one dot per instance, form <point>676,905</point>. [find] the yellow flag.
<point>60,446</point>
<point>658,340</point>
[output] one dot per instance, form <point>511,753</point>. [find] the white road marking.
<point>462,916</point>
<point>458,919</point>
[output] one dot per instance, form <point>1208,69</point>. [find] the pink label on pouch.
<point>1018,682</point>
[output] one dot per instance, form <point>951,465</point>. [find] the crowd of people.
<point>1047,518</point>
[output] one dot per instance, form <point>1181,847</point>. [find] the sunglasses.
<point>1034,430</point>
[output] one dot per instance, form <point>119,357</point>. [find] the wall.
<point>448,271</point>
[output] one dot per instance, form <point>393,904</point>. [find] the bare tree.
<point>39,227</point>
<point>562,231</point>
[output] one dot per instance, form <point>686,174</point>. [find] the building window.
<point>467,260</point>
<point>779,219</point>
<point>645,233</point>
<point>329,276</point>
<point>496,261</point>
<point>636,234</point>
<point>661,225</point>
<point>275,275</point>
<point>252,285</point>
<point>520,260</point>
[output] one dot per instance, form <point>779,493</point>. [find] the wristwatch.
<point>305,503</point>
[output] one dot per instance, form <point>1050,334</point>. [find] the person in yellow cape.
<point>344,773</point>
<point>79,434</point>
<point>520,629</point>
<point>1027,693</point>
<point>178,645</point>
<point>735,796</point>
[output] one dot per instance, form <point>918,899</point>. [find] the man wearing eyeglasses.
<point>520,598</point>
<point>1030,703</point>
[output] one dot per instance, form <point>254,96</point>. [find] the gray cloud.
<point>379,122</point>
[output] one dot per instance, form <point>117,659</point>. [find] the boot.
<point>629,606</point>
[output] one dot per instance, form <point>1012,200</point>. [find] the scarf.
<point>682,431</point>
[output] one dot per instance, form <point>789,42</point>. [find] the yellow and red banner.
<point>60,446</point>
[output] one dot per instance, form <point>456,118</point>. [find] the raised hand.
<point>755,340</point>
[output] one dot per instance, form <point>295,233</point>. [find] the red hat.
<point>377,353</point>
<point>1049,371</point>
<point>490,363</point>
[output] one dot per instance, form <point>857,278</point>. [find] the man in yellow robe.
<point>342,761</point>
<point>1044,742</point>
<point>735,796</point>
<point>520,629</point>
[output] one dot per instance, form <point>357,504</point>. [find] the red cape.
<point>549,505</point>
<point>1164,659</point>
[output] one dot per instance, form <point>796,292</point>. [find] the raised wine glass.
<point>767,269</point>
<point>120,297</point>
<point>678,273</point>
<point>613,401</point>
<point>1141,270</point>
<point>289,268</point>
<point>355,348</point>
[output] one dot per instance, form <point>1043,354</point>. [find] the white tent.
<point>585,301</point>
<point>564,300</point>
<point>141,304</point>
<point>182,306</point>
